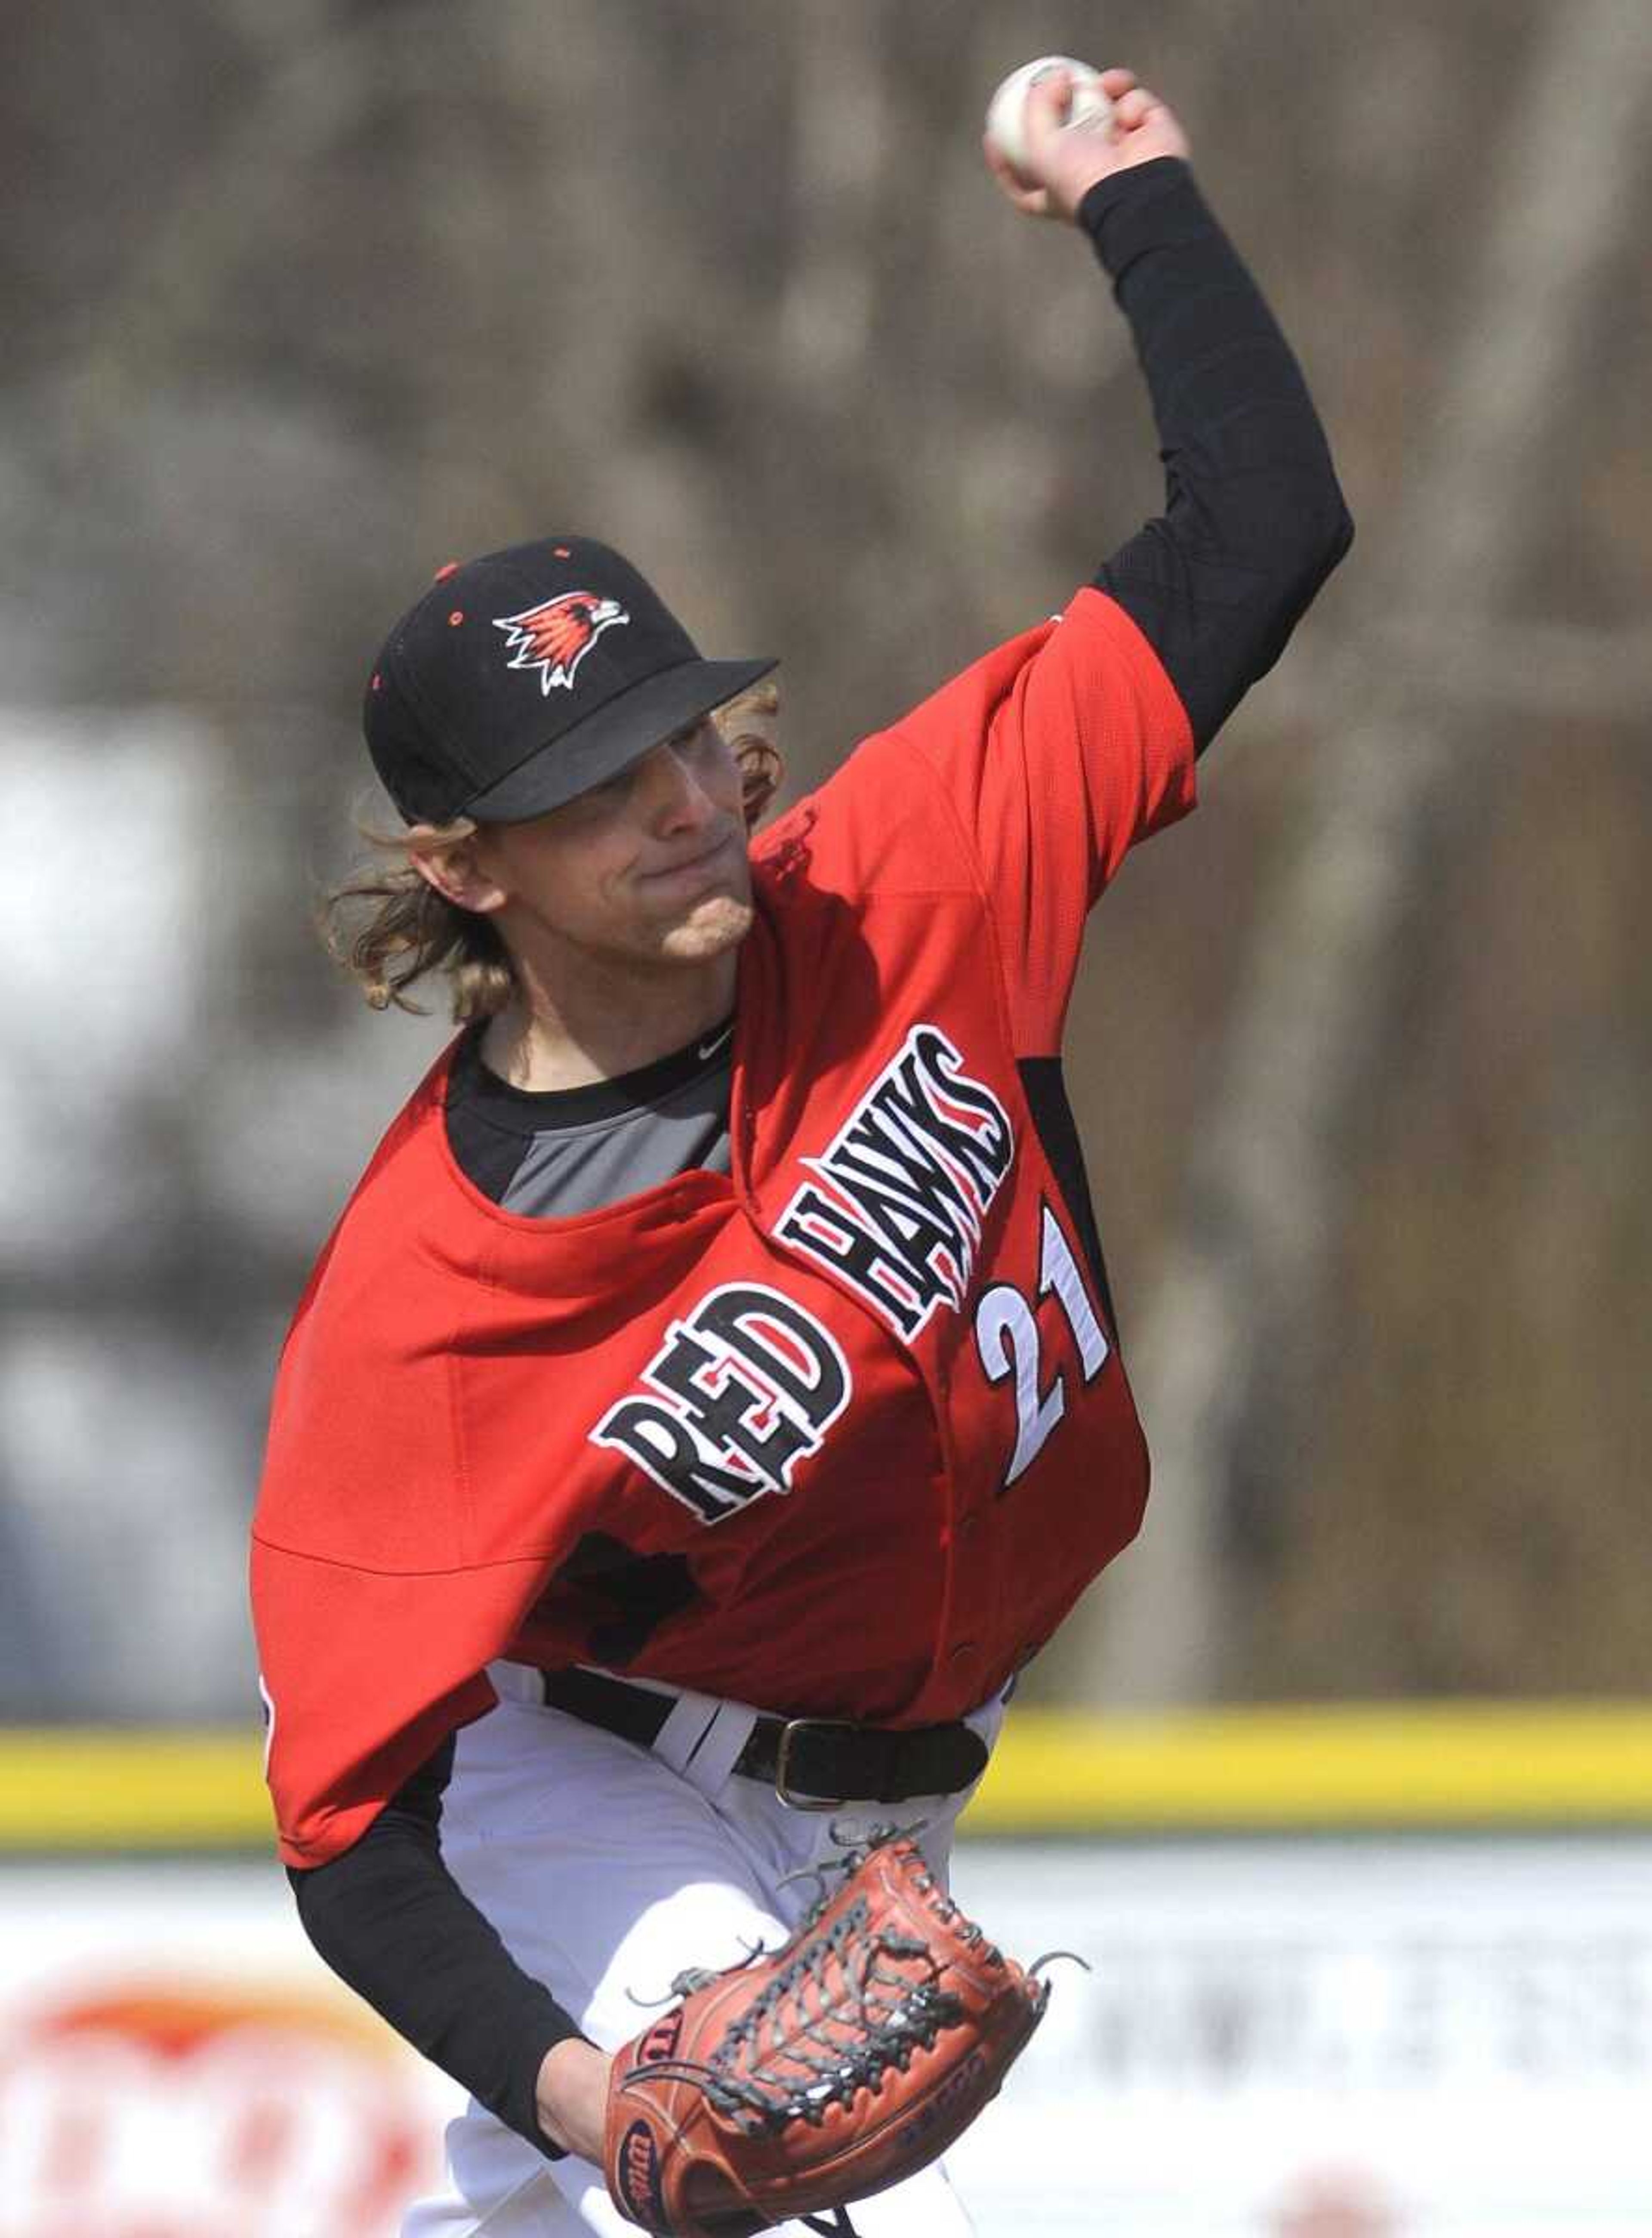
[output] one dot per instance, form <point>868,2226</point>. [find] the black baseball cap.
<point>523,677</point>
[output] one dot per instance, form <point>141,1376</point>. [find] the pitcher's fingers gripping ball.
<point>1056,127</point>
<point>816,2074</point>
<point>1086,103</point>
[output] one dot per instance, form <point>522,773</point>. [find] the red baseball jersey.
<point>841,1433</point>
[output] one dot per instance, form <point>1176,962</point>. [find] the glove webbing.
<point>889,2015</point>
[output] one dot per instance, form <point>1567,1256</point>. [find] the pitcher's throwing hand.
<point>1066,158</point>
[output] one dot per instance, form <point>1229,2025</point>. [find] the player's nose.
<point>671,790</point>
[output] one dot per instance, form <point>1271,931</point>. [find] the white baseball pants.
<point>607,1869</point>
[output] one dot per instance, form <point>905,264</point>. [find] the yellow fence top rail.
<point>1481,1765</point>
<point>1467,1765</point>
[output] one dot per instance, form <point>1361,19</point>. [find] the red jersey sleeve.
<point>1057,752</point>
<point>348,1722</point>
<point>378,1598</point>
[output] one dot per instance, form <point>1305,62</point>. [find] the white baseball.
<point>1005,112</point>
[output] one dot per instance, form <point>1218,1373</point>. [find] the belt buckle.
<point>783,1753</point>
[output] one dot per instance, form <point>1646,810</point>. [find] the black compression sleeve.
<point>1254,519</point>
<point>389,1919</point>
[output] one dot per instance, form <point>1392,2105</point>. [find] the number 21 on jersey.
<point>1009,1338</point>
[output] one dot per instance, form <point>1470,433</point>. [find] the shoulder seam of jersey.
<point>978,891</point>
<point>369,1570</point>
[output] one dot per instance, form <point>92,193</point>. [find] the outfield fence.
<point>1353,1974</point>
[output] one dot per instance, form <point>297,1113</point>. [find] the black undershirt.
<point>553,1153</point>
<point>1253,522</point>
<point>1254,519</point>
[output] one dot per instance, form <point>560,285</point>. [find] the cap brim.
<point>615,734</point>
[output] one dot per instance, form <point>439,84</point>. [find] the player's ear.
<point>447,856</point>
<point>752,725</point>
<point>762,771</point>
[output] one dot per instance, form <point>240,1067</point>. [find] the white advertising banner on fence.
<point>1400,2039</point>
<point>1348,2039</point>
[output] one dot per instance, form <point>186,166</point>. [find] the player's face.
<point>650,866</point>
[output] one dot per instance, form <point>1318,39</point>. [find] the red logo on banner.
<point>168,2113</point>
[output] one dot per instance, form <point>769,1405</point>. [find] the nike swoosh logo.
<point>708,1049</point>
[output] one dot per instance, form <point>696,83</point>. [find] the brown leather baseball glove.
<point>813,2075</point>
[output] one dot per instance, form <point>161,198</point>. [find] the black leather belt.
<point>811,1762</point>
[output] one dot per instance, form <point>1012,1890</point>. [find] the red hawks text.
<point>906,1183</point>
<point>739,1393</point>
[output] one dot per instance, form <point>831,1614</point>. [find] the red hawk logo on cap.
<point>554,638</point>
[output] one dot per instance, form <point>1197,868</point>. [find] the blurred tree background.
<point>303,302</point>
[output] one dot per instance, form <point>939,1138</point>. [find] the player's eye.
<point>608,791</point>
